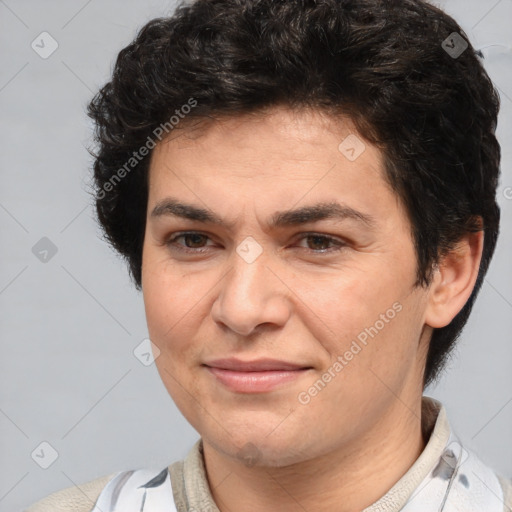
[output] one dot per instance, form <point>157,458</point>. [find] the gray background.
<point>69,325</point>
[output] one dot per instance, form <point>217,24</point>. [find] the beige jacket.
<point>192,493</point>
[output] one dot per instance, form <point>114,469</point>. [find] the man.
<point>305,194</point>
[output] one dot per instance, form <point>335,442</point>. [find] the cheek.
<point>171,316</point>
<point>373,323</point>
<point>174,305</point>
<point>345,305</point>
<point>392,353</point>
<point>170,321</point>
<point>169,297</point>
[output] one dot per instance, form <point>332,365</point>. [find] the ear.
<point>454,280</point>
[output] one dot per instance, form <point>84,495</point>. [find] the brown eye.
<point>318,243</point>
<point>193,242</point>
<point>194,239</point>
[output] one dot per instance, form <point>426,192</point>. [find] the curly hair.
<point>384,63</point>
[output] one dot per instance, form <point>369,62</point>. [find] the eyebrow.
<point>303,215</point>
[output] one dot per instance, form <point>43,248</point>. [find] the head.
<point>231,115</point>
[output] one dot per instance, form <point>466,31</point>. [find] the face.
<point>268,243</point>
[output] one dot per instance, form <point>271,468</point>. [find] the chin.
<point>259,449</point>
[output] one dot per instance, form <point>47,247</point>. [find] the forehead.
<point>265,141</point>
<point>279,158</point>
<point>280,128</point>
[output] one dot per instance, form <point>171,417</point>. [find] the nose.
<point>252,294</point>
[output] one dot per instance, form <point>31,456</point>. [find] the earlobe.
<point>453,280</point>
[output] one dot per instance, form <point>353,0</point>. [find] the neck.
<point>347,479</point>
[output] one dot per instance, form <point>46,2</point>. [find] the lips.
<point>258,365</point>
<point>257,376</point>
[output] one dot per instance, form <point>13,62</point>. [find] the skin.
<point>299,301</point>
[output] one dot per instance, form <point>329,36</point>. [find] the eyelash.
<point>171,243</point>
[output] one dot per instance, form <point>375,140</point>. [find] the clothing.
<point>445,477</point>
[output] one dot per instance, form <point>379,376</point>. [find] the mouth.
<point>256,376</point>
